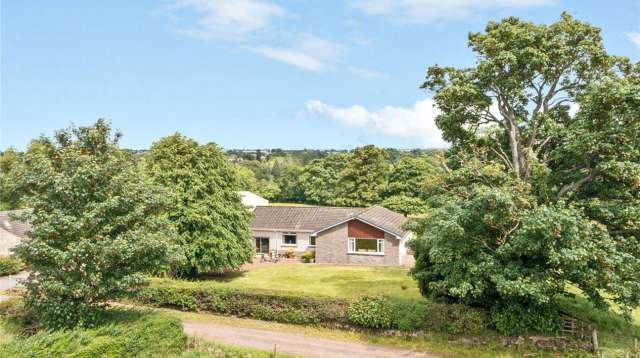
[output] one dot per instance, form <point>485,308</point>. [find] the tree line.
<point>365,176</point>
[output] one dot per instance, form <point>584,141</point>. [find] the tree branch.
<point>567,188</point>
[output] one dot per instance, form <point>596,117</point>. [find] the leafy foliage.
<point>525,78</point>
<point>454,318</point>
<point>319,178</point>
<point>513,318</point>
<point>371,312</point>
<point>11,197</point>
<point>405,204</point>
<point>205,209</point>
<point>96,225</point>
<point>362,181</point>
<point>10,265</point>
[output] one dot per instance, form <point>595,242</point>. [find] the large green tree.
<point>362,181</point>
<point>536,197</point>
<point>319,178</point>
<point>407,179</point>
<point>206,210</point>
<point>525,79</point>
<point>96,225</point>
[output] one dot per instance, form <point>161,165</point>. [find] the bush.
<point>289,253</point>
<point>371,312</point>
<point>259,305</point>
<point>10,265</point>
<point>513,318</point>
<point>454,318</point>
<point>307,256</point>
<point>408,314</point>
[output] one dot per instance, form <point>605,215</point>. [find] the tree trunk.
<point>513,145</point>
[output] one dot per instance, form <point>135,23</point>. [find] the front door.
<point>262,245</point>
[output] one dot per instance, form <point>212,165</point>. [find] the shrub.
<point>10,265</point>
<point>371,312</point>
<point>513,318</point>
<point>289,253</point>
<point>408,314</point>
<point>307,256</point>
<point>255,304</point>
<point>454,318</point>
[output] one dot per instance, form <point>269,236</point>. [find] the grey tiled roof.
<point>16,227</point>
<point>300,218</point>
<point>315,218</point>
<point>386,219</point>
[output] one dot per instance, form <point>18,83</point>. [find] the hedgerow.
<point>259,305</point>
<point>364,312</point>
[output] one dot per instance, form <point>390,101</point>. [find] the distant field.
<point>311,279</point>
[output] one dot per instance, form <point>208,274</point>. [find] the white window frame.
<point>284,242</point>
<point>351,246</point>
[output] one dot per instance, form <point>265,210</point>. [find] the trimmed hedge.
<point>10,265</point>
<point>258,305</point>
<point>455,318</point>
<point>365,312</point>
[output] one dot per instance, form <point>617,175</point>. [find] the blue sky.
<point>253,73</point>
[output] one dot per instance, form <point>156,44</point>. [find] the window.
<point>312,241</point>
<point>371,246</point>
<point>290,239</point>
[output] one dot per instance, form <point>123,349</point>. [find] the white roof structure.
<point>251,200</point>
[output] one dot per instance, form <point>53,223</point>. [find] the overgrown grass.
<point>313,279</point>
<point>198,348</point>
<point>129,333</point>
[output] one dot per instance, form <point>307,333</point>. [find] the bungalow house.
<point>356,236</point>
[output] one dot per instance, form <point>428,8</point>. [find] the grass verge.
<point>484,347</point>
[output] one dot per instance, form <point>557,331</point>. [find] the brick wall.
<point>331,247</point>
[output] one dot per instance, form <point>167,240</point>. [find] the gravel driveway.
<point>293,343</point>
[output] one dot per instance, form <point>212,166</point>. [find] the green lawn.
<point>312,279</point>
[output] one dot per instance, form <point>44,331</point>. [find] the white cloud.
<point>416,123</point>
<point>425,11</point>
<point>366,73</point>
<point>229,19</point>
<point>246,23</point>
<point>634,37</point>
<point>309,53</point>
